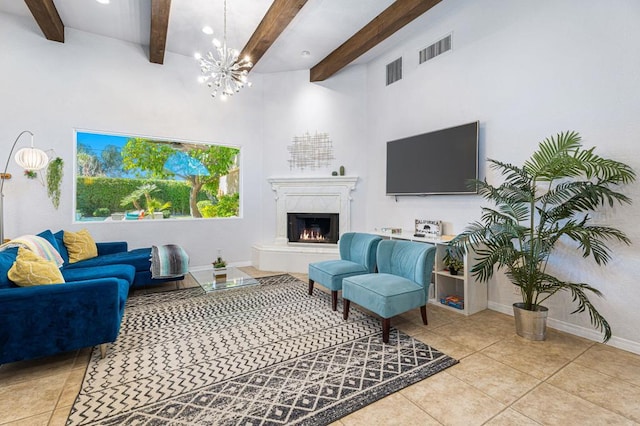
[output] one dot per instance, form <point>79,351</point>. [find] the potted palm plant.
<point>545,201</point>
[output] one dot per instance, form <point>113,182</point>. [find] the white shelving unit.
<point>473,292</point>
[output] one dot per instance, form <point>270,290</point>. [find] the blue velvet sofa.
<point>84,311</point>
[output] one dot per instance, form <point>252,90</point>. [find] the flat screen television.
<point>439,162</point>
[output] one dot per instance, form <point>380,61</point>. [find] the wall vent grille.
<point>437,48</point>
<point>394,71</point>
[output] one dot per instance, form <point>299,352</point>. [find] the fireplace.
<point>320,228</point>
<point>330,194</point>
<point>318,195</point>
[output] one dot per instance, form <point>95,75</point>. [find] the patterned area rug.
<point>263,355</point>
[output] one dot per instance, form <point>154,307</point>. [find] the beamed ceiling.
<point>342,32</point>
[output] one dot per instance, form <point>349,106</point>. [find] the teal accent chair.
<point>401,284</point>
<point>357,256</point>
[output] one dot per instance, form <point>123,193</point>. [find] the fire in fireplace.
<point>313,227</point>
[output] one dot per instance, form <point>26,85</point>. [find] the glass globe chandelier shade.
<point>222,71</point>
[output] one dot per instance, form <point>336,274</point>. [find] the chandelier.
<point>223,72</point>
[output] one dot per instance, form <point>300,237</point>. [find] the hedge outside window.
<point>131,178</point>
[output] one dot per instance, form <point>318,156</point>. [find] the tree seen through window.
<point>133,178</point>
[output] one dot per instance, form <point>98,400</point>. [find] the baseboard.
<point>576,330</point>
<point>500,308</point>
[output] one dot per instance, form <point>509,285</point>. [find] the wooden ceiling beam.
<point>396,16</point>
<point>48,19</point>
<point>159,26</point>
<point>279,15</point>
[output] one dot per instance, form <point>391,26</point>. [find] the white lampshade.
<point>32,158</point>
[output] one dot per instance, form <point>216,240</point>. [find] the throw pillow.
<point>29,269</point>
<point>80,245</point>
<point>37,245</point>
<point>7,259</point>
<point>62,249</point>
<point>48,235</point>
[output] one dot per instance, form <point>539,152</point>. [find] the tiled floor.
<point>501,379</point>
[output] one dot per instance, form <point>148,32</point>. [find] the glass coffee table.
<point>235,278</point>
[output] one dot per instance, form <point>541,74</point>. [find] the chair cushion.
<point>408,259</point>
<point>122,272</point>
<point>138,258</point>
<point>330,273</point>
<point>385,294</point>
<point>360,248</point>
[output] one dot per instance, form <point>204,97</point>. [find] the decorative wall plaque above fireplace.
<point>313,228</point>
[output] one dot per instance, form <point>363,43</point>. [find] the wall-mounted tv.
<point>439,162</point>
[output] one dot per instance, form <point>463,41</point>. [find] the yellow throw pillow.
<point>80,245</point>
<point>29,269</point>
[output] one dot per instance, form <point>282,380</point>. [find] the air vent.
<point>435,49</point>
<point>394,71</point>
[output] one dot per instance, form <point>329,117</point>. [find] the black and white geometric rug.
<point>263,355</point>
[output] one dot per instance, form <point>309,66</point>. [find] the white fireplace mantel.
<point>331,194</point>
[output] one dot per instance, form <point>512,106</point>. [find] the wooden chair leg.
<point>423,312</point>
<point>346,304</point>
<point>386,325</point>
<point>310,286</point>
<point>103,350</point>
<point>334,300</point>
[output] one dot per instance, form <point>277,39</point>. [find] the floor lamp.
<point>29,159</point>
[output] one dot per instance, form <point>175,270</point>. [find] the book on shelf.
<point>453,301</point>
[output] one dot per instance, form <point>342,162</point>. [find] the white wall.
<point>292,107</point>
<point>101,84</point>
<point>525,71</point>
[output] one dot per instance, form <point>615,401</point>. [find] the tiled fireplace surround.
<point>330,194</point>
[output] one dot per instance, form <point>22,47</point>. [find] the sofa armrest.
<point>49,319</point>
<point>112,247</point>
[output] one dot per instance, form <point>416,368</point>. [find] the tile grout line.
<point>417,406</point>
<point>64,386</point>
<point>85,365</point>
<point>507,406</point>
<point>592,403</point>
<point>602,372</point>
<point>596,371</point>
<point>510,405</point>
<point>544,381</point>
